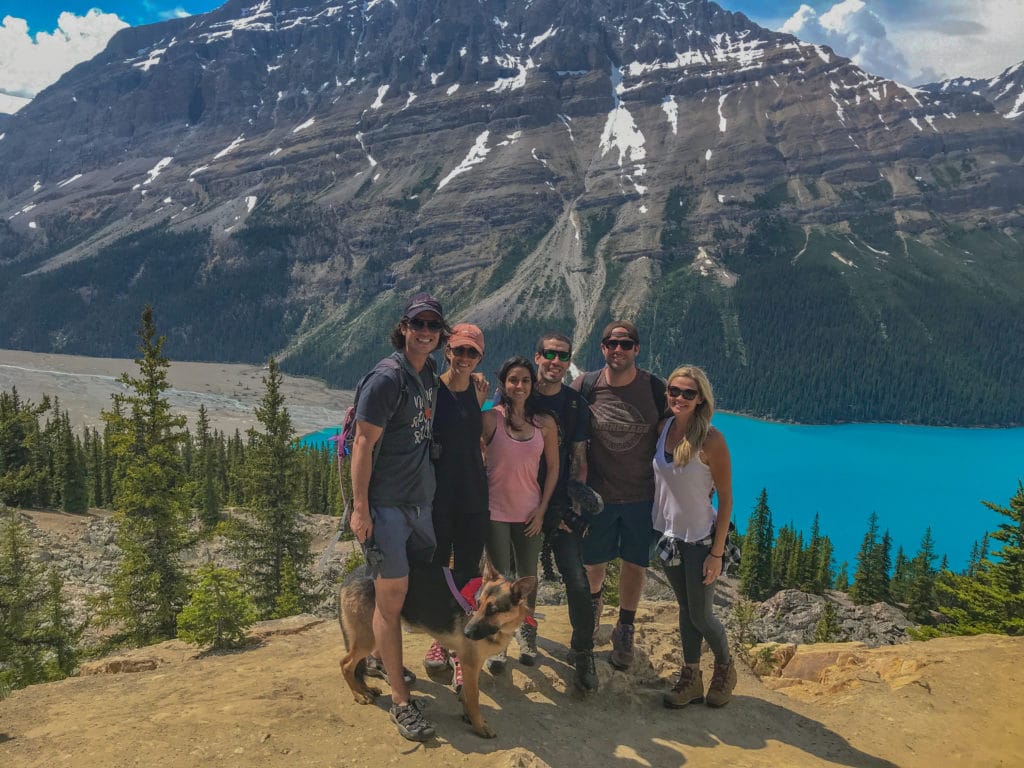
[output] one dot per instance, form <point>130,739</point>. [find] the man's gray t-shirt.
<point>403,474</point>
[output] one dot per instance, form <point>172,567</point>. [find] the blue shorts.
<point>621,530</point>
<point>400,535</point>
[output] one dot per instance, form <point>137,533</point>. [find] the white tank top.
<point>682,495</point>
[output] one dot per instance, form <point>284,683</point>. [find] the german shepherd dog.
<point>431,606</point>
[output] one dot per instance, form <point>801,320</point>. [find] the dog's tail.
<point>341,621</point>
<point>356,596</point>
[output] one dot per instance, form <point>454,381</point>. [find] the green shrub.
<point>218,612</point>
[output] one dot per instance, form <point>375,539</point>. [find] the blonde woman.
<point>691,463</point>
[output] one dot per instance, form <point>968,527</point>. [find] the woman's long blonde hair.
<point>700,424</point>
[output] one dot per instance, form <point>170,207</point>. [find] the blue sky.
<point>912,41</point>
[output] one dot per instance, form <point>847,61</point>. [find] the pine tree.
<point>289,602</point>
<point>218,612</point>
<point>273,533</point>
<point>20,602</point>
<point>993,600</point>
<point>899,586</point>
<point>149,587</point>
<point>842,582</point>
<point>795,563</point>
<point>871,579</point>
<point>782,551</point>
<point>38,639</point>
<point>824,575</point>
<point>23,454</point>
<point>205,472</point>
<point>811,559</point>
<point>827,630</point>
<point>74,490</point>
<point>58,631</point>
<point>756,565</point>
<point>920,594</point>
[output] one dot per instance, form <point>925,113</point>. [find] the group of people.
<point>441,475</point>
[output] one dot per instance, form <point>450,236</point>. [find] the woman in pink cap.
<point>460,510</point>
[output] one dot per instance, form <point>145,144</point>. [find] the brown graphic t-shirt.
<point>623,436</point>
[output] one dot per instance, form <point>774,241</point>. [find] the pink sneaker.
<point>436,658</point>
<point>457,673</point>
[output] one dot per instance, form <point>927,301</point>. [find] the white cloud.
<point>852,30</point>
<point>916,41</point>
<point>174,13</point>
<point>981,41</point>
<point>27,64</point>
<point>11,104</point>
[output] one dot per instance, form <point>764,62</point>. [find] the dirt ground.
<point>281,702</point>
<point>229,392</point>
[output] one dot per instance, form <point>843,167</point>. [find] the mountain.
<point>1004,91</point>
<point>277,177</point>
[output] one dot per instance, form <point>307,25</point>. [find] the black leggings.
<point>462,535</point>
<point>696,619</point>
<point>565,546</point>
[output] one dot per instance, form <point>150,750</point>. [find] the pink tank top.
<point>512,467</point>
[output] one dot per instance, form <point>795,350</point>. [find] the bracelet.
<point>711,554</point>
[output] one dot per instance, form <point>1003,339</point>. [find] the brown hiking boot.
<point>622,646</point>
<point>722,682</point>
<point>689,689</point>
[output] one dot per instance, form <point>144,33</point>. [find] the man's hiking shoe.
<point>456,667</point>
<point>436,662</point>
<point>410,722</point>
<point>496,664</point>
<point>722,683</point>
<point>585,676</point>
<point>375,668</point>
<point>689,689</point>
<point>597,604</point>
<point>526,636</point>
<point>622,646</point>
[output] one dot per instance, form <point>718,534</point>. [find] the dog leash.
<point>461,597</point>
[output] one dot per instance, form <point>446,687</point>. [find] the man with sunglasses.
<point>393,485</point>
<point>626,404</point>
<point>552,356</point>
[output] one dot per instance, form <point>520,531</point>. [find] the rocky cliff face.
<point>276,176</point>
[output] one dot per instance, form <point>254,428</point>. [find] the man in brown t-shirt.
<point>626,404</point>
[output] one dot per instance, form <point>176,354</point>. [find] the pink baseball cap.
<point>467,335</point>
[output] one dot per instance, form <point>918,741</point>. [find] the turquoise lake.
<point>913,477</point>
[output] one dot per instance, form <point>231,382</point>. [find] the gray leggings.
<point>696,619</point>
<point>505,538</point>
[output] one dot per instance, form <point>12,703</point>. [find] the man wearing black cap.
<point>626,404</point>
<point>393,484</point>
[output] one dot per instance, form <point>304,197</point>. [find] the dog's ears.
<point>523,587</point>
<point>488,571</point>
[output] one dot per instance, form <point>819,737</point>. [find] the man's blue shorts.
<point>401,534</point>
<point>621,530</point>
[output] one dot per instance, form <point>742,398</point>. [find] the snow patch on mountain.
<point>476,155</point>
<point>671,110</point>
<point>229,148</point>
<point>153,172</point>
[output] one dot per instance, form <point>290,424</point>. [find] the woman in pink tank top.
<point>518,439</point>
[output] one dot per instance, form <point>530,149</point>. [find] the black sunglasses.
<point>626,344</point>
<point>551,354</point>
<point>469,352</point>
<point>419,325</point>
<point>686,394</point>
